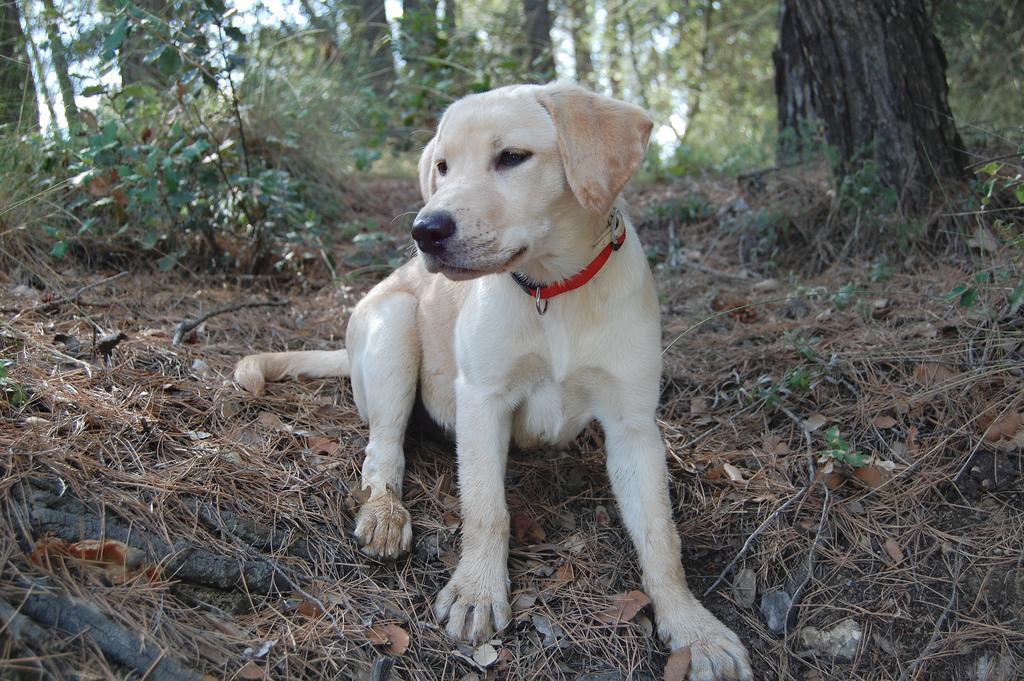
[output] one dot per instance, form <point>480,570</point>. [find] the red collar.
<point>545,293</point>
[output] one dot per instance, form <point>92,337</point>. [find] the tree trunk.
<point>580,28</point>
<point>136,46</point>
<point>614,52</point>
<point>17,86</point>
<point>37,59</point>
<point>874,74</point>
<point>696,86</point>
<point>60,64</point>
<point>449,18</point>
<point>634,60</point>
<point>368,23</point>
<point>540,59</point>
<point>419,33</point>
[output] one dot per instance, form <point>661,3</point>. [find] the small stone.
<point>839,641</point>
<point>774,609</point>
<point>744,588</point>
<point>855,507</point>
<point>995,668</point>
<point>553,634</point>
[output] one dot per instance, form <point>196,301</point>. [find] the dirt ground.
<point>844,446</point>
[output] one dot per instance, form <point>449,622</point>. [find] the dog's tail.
<point>255,370</point>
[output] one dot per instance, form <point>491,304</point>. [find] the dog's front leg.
<point>475,602</point>
<point>639,477</point>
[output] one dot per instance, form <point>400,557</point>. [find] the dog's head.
<point>508,167</point>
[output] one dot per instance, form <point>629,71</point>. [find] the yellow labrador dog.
<point>530,312</point>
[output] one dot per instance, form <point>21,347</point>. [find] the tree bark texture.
<point>368,23</point>
<point>580,28</point>
<point>17,86</point>
<point>419,33</point>
<point>449,18</point>
<point>874,74</point>
<point>58,56</point>
<point>540,58</point>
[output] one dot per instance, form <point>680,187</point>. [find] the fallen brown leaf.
<point>931,373</point>
<point>565,574</point>
<point>872,476</point>
<point>1003,427</point>
<point>308,608</point>
<point>678,665</point>
<point>893,549</point>
<point>814,422</point>
<point>391,635</point>
<point>250,671</point>
<point>525,529</point>
<point>324,445</point>
<point>884,422</point>
<point>624,607</point>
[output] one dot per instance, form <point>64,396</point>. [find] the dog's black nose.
<point>431,231</point>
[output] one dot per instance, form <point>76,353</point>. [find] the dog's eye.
<point>442,167</point>
<point>510,158</point>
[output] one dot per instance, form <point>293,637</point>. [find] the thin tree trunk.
<point>580,27</point>
<point>540,59</point>
<point>17,86</point>
<point>797,114</point>
<point>875,74</point>
<point>696,87</point>
<point>449,18</point>
<point>614,51</point>
<point>37,60</point>
<point>58,56</point>
<point>641,86</point>
<point>368,23</point>
<point>419,33</point>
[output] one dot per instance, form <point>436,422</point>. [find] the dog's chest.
<point>553,412</point>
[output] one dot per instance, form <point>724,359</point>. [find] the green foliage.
<point>799,379</point>
<point>839,449</point>
<point>984,44</point>
<point>166,163</point>
<point>13,392</point>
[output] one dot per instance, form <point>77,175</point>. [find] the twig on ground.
<point>775,514</point>
<point>951,606</point>
<point>69,298</point>
<point>71,520</point>
<point>745,276</point>
<point>811,556</point>
<point>189,324</point>
<point>750,540</point>
<point>118,644</point>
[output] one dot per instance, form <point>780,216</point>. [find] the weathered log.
<point>77,618</point>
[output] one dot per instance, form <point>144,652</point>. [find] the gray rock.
<point>839,641</point>
<point>989,667</point>
<point>744,588</point>
<point>553,634</point>
<point>774,608</point>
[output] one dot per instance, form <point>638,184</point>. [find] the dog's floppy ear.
<point>601,140</point>
<point>426,168</point>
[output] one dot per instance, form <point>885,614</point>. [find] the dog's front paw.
<point>716,652</point>
<point>383,526</point>
<point>475,603</point>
